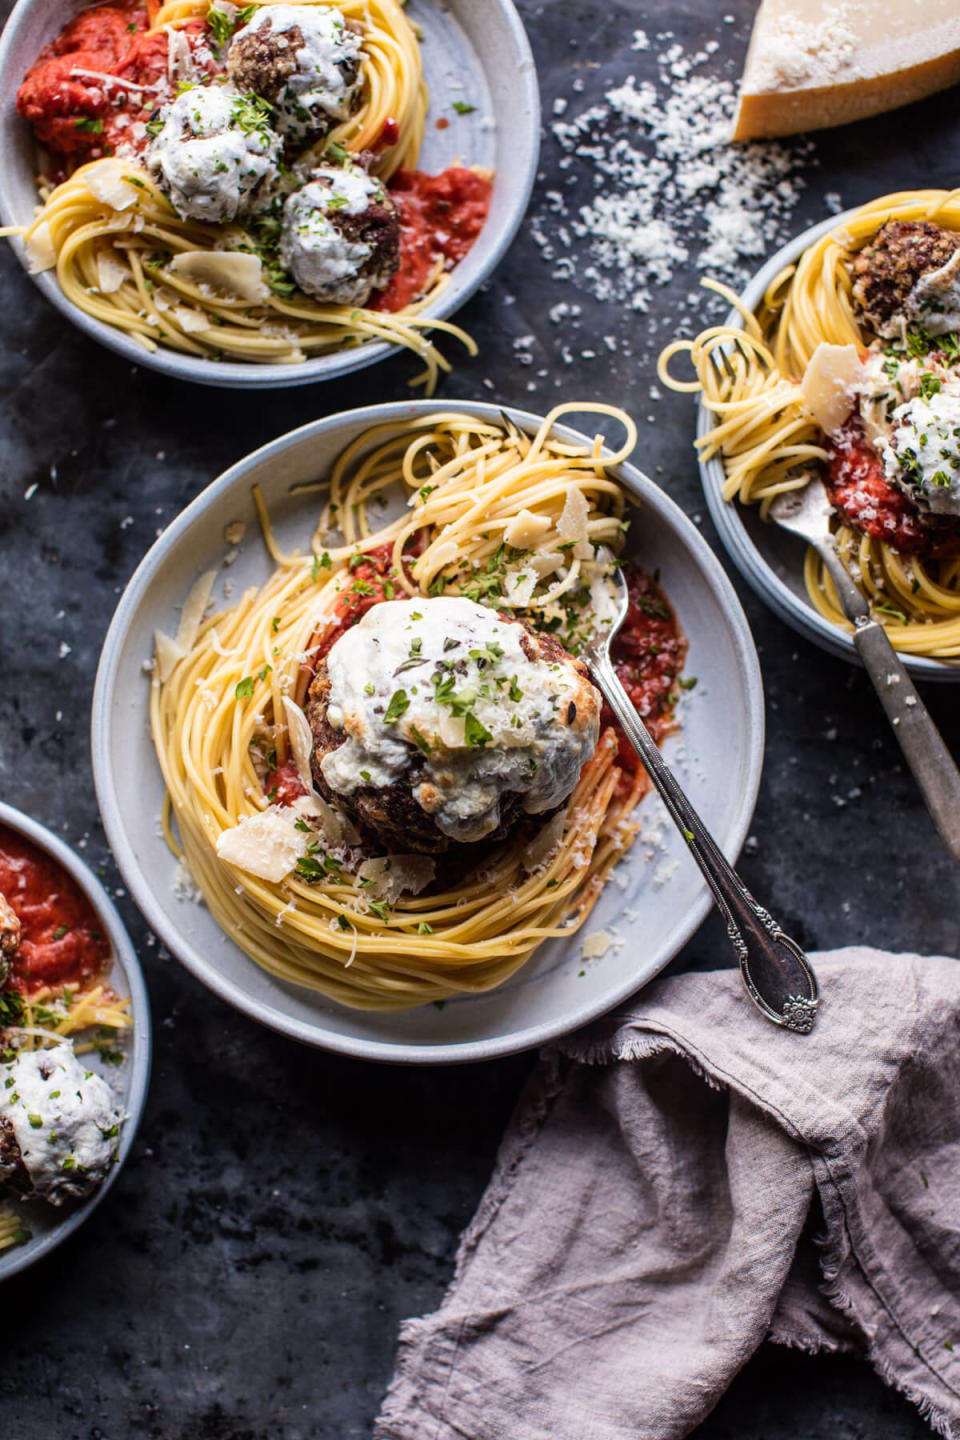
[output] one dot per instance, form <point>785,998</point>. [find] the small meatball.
<point>215,153</point>
<point>58,1125</point>
<point>304,60</point>
<point>886,272</point>
<point>341,236</point>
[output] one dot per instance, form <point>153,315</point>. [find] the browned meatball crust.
<point>886,270</point>
<point>390,816</point>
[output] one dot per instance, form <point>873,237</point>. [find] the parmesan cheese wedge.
<point>106,183</point>
<point>829,384</point>
<point>40,252</point>
<point>167,653</point>
<point>267,845</point>
<point>816,63</point>
<point>228,271</point>
<point>111,272</point>
<point>193,610</point>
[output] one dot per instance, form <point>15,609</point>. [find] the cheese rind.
<point>813,63</point>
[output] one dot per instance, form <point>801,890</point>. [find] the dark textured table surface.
<point>283,1209</point>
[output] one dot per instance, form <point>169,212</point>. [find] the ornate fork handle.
<point>777,974</point>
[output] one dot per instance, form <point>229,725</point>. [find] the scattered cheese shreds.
<point>653,185</point>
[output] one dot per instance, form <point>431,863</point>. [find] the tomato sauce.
<point>62,941</point>
<point>283,785</point>
<point>648,653</point>
<point>865,500</point>
<point>75,109</point>
<point>440,218</point>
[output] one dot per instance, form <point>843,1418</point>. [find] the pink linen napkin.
<point>682,1181</point>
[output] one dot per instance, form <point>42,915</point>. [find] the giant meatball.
<point>439,722</point>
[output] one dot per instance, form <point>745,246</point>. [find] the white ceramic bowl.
<point>719,756</point>
<point>50,1226</point>
<point>770,560</point>
<point>477,52</point>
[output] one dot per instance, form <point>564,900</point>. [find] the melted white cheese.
<point>65,1120</point>
<point>922,455</point>
<point>322,260</point>
<point>318,90</point>
<point>208,157</point>
<point>447,680</point>
<point>934,302</point>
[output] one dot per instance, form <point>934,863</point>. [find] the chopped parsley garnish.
<point>474,732</point>
<point>94,127</point>
<point>301,824</point>
<point>309,869</point>
<point>365,775</point>
<point>320,562</point>
<point>689,682</point>
<point>250,112</point>
<point>154,126</point>
<point>343,922</point>
<point>369,688</point>
<point>221,27</point>
<point>515,692</point>
<point>421,740</point>
<point>244,688</point>
<point>424,928</point>
<point>275,624</point>
<point>399,703</point>
<point>36,1122</point>
<point>379,908</point>
<point>69,1162</point>
<point>11,1009</point>
<point>338,153</point>
<point>462,108</point>
<point>265,672</point>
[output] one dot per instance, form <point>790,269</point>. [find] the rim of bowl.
<point>237,375</point>
<point>642,488</point>
<point>759,574</point>
<point>138,1081</point>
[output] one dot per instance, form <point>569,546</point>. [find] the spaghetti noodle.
<point>487,508</point>
<point>111,232</point>
<point>750,375</point>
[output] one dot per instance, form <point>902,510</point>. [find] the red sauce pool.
<point>649,653</point>
<point>81,117</point>
<point>440,218</point>
<point>63,942</point>
<point>866,501</point>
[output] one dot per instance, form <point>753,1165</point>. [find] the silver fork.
<point>777,974</point>
<point>807,513</point>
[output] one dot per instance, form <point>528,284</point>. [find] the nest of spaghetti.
<point>387,770</point>
<point>849,373</point>
<point>241,184</point>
